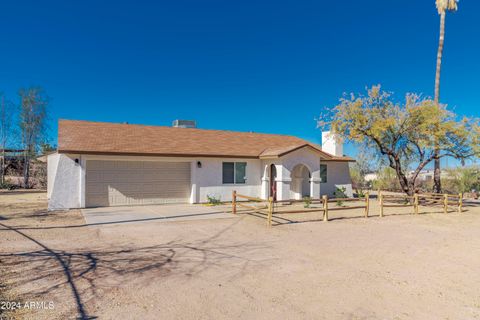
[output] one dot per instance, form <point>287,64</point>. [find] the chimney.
<point>184,124</point>
<point>332,144</point>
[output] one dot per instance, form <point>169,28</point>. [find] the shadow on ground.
<point>43,213</point>
<point>51,270</point>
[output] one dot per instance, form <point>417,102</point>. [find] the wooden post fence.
<point>440,199</point>
<point>325,208</point>
<point>460,202</point>
<point>270,211</point>
<point>380,198</point>
<point>234,202</point>
<point>415,203</point>
<point>445,203</point>
<point>387,198</point>
<point>367,204</point>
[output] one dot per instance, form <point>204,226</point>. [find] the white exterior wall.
<point>64,182</point>
<point>338,175</point>
<point>52,163</point>
<point>207,180</point>
<point>284,166</point>
<point>308,158</point>
<point>66,179</point>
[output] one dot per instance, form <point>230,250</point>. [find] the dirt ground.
<point>401,266</point>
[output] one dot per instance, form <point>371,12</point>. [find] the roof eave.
<point>340,160</point>
<point>307,145</point>
<point>170,155</point>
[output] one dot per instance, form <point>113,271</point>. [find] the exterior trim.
<point>173,155</point>
<point>340,160</point>
<point>303,146</point>
<point>306,145</point>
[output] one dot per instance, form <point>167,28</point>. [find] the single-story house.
<point>109,164</point>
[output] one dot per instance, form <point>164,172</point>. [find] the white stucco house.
<point>107,164</point>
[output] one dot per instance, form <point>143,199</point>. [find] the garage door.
<point>117,183</point>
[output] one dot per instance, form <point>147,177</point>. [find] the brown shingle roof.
<point>112,138</point>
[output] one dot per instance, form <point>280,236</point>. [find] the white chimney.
<point>332,144</point>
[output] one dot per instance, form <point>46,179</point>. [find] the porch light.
<point>199,164</point>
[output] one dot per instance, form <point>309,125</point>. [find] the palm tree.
<point>442,6</point>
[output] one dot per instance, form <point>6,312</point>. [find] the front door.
<point>273,182</point>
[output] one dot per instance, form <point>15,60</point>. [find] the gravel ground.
<point>397,267</point>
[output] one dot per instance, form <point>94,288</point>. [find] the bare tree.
<point>6,131</point>
<point>33,115</point>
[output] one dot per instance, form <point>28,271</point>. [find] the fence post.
<point>367,204</point>
<point>270,211</point>
<point>325,207</point>
<point>460,202</point>
<point>445,203</point>
<point>380,197</point>
<point>415,203</point>
<point>234,202</point>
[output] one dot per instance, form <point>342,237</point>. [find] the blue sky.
<point>264,66</point>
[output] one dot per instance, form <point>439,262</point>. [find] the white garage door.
<point>117,183</point>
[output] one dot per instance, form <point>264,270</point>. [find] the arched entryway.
<point>300,185</point>
<point>273,182</point>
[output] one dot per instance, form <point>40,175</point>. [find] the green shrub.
<point>212,200</point>
<point>340,193</point>
<point>307,202</point>
<point>7,186</point>
<point>386,180</point>
<point>360,193</point>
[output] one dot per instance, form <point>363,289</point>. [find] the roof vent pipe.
<point>184,124</point>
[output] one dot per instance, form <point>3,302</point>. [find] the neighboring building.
<point>428,175</point>
<point>107,164</point>
<point>11,154</point>
<point>370,177</point>
<point>425,175</point>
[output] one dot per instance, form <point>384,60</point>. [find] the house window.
<point>234,172</point>
<point>323,173</point>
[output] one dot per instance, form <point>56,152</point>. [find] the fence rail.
<point>269,208</point>
<point>425,199</point>
<point>460,195</point>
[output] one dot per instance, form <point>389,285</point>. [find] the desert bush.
<point>39,170</point>
<point>386,180</point>
<point>8,186</point>
<point>462,180</point>
<point>359,184</point>
<point>14,175</point>
<point>366,163</point>
<point>425,186</point>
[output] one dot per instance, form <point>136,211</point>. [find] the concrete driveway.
<point>152,213</point>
